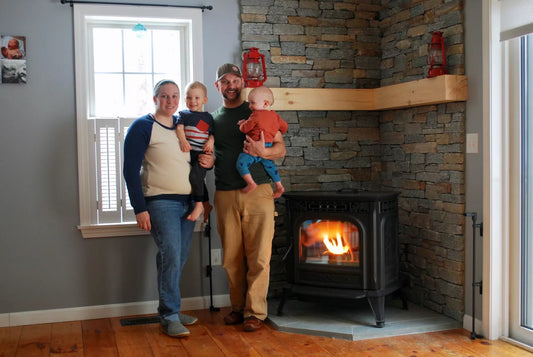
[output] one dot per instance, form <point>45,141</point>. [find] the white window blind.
<point>113,204</point>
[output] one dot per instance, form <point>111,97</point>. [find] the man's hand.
<point>257,148</point>
<point>207,161</point>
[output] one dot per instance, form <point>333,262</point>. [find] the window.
<point>120,53</point>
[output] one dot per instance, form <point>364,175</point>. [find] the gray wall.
<point>44,261</point>
<point>474,162</point>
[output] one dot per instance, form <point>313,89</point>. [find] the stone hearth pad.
<point>355,320</point>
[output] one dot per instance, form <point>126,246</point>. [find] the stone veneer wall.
<point>416,151</point>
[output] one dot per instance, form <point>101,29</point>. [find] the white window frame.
<point>89,226</point>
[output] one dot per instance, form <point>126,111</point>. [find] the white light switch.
<point>471,143</point>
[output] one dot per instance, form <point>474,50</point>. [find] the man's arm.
<point>257,148</point>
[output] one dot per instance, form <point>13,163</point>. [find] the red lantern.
<point>254,71</point>
<point>436,55</point>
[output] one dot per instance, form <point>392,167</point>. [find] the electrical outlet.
<point>216,256</point>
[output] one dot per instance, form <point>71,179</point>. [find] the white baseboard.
<point>4,320</point>
<point>467,324</point>
<point>104,311</point>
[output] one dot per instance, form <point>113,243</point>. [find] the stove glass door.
<point>329,241</point>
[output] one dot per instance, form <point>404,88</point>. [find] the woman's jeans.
<point>172,233</point>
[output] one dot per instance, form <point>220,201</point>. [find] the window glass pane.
<point>138,98</point>
<point>108,94</point>
<point>172,76</point>
<point>137,51</point>
<point>167,52</point>
<point>107,47</point>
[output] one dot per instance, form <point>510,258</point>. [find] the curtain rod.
<point>71,2</point>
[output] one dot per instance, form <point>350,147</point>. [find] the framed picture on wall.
<point>12,59</point>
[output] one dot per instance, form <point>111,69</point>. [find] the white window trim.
<point>86,189</point>
<point>494,177</point>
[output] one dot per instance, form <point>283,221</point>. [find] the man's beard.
<point>229,98</point>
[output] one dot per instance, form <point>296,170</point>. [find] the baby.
<point>195,133</point>
<point>265,120</point>
<point>12,51</point>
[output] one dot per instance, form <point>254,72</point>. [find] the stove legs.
<point>377,303</point>
<point>282,302</point>
<point>376,299</point>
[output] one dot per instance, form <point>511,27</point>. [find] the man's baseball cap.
<point>227,69</point>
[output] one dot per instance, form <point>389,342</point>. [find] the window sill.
<point>120,230</point>
<point>111,230</point>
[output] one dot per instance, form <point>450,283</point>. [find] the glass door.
<point>329,241</point>
<point>521,247</point>
<point>526,244</point>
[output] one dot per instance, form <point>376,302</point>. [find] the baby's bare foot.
<point>279,191</point>
<point>249,188</point>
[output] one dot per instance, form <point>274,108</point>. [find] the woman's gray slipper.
<point>187,320</point>
<point>175,329</point>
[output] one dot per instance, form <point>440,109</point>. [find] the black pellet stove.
<point>343,245</point>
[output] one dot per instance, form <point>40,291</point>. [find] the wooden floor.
<point>210,337</point>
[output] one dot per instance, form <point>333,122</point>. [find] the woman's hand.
<point>143,220</point>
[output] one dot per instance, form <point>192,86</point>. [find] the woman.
<point>157,176</point>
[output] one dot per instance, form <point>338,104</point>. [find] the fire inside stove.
<point>325,241</point>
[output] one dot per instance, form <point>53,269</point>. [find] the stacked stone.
<point>407,28</point>
<point>422,153</point>
<point>329,151</point>
<point>417,151</point>
<point>315,44</point>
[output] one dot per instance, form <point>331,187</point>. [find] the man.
<point>245,220</point>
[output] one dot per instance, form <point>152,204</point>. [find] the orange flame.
<point>334,235</point>
<point>335,246</point>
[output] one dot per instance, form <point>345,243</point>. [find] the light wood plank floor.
<point>210,337</point>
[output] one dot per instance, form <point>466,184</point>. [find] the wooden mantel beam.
<point>442,89</point>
